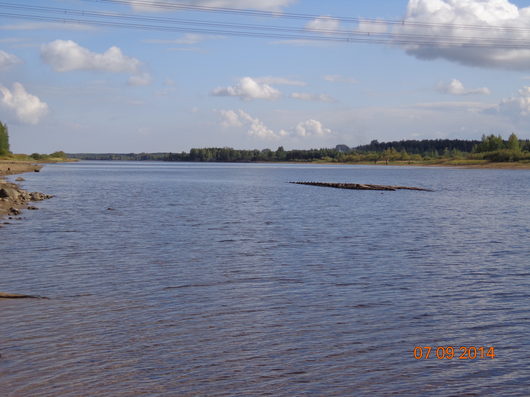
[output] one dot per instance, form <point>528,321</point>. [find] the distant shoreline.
<point>451,164</point>
<point>467,164</point>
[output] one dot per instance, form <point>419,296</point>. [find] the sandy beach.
<point>10,167</point>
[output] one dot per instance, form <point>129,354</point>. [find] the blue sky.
<point>86,88</point>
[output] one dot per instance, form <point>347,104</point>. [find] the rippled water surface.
<point>224,280</point>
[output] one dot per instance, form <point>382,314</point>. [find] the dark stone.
<point>36,196</point>
<point>9,193</point>
<point>14,211</point>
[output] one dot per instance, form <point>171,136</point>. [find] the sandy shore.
<point>12,197</point>
<point>9,167</point>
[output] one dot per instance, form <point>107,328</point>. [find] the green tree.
<point>513,143</point>
<point>490,144</point>
<point>280,154</point>
<point>4,140</point>
<point>58,154</point>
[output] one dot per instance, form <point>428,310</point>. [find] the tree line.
<point>491,148</point>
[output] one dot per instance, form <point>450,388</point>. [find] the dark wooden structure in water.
<point>361,186</point>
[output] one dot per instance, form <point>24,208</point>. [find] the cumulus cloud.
<point>516,106</point>
<point>323,24</point>
<point>67,56</point>
<point>247,89</point>
<point>26,107</point>
<point>306,96</point>
<point>452,42</point>
<point>230,118</point>
<point>262,5</point>
<point>255,127</point>
<point>455,87</point>
<point>311,128</point>
<point>7,60</point>
<point>372,26</point>
<point>337,78</point>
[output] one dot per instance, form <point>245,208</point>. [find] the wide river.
<point>179,279</point>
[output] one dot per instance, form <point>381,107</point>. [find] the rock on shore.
<point>12,197</point>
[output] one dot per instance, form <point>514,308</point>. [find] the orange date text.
<point>453,352</point>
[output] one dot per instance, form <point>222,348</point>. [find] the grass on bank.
<point>55,157</point>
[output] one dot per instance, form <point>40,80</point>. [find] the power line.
<point>175,6</point>
<point>129,21</point>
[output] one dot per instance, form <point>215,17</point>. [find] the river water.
<point>178,279</point>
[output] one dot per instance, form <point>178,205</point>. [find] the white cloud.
<point>323,24</point>
<point>26,107</point>
<point>372,26</point>
<point>230,118</point>
<point>456,43</point>
<point>7,60</point>
<point>263,5</point>
<point>455,87</point>
<point>255,127</point>
<point>67,56</point>
<point>306,96</point>
<point>248,88</point>
<point>516,106</point>
<point>279,81</point>
<point>311,128</point>
<point>337,78</point>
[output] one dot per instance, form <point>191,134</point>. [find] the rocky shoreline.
<point>13,199</point>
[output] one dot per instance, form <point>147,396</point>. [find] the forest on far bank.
<point>491,148</point>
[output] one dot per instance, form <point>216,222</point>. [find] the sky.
<point>164,85</point>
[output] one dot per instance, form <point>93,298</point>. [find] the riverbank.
<point>11,167</point>
<point>13,198</point>
<point>478,164</point>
